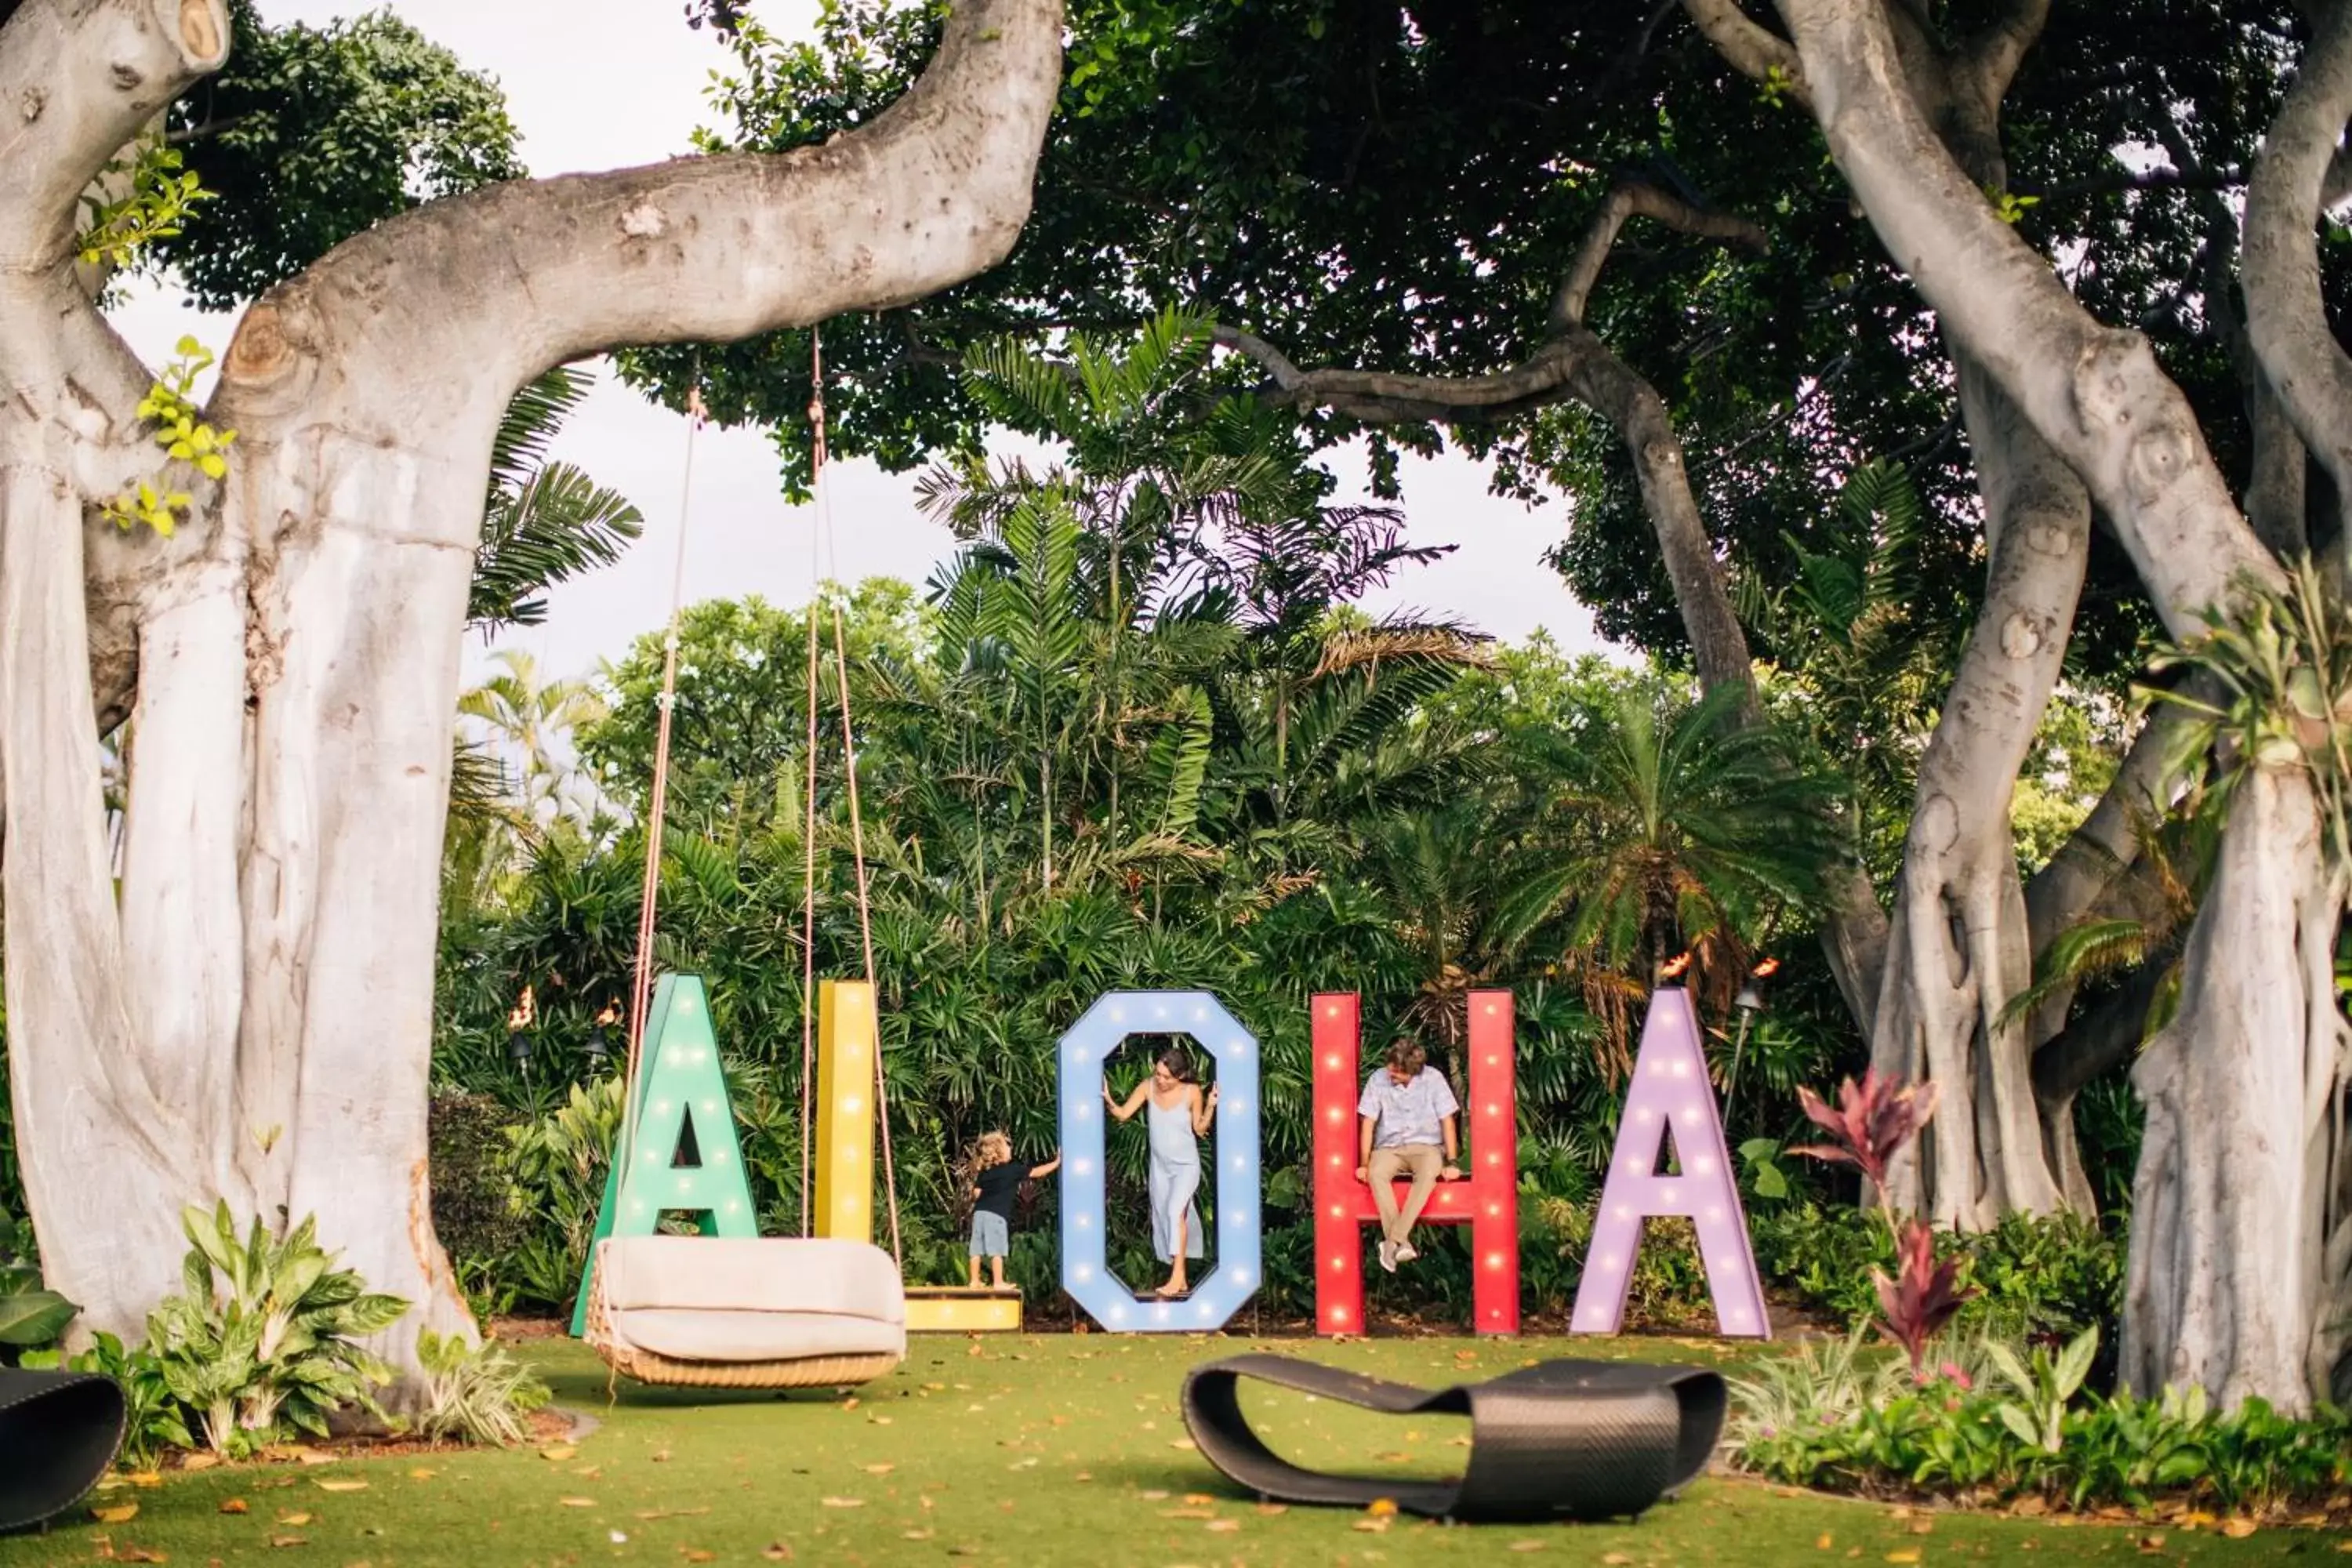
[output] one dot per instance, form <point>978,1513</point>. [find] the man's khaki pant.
<point>1425,1160</point>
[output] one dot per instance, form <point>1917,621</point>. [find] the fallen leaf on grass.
<point>661,1455</point>
<point>1825,1543</point>
<point>2238,1529</point>
<point>234,1505</point>
<point>138,1554</point>
<point>344,1484</point>
<point>294,1521</point>
<point>289,1540</point>
<point>1151,1497</point>
<point>1184,1443</point>
<point>1223,1524</point>
<point>557,1452</point>
<point>145,1480</point>
<point>652,1513</point>
<point>1616,1558</point>
<point>877,1469</point>
<point>697,1554</point>
<point>1186,1513</point>
<point>1271,1509</point>
<point>842,1502</point>
<point>1923,1527</point>
<point>920,1534</point>
<point>777,1553</point>
<point>577,1501</point>
<point>1198,1500</point>
<point>313,1456</point>
<point>1374,1525</point>
<point>1381,1508</point>
<point>1084,1476</point>
<point>1908,1554</point>
<point>200,1461</point>
<point>115,1513</point>
<point>421,1474</point>
<point>1393,1458</point>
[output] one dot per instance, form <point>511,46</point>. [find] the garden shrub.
<point>2041,1278</point>
<point>30,1316</point>
<point>265,1342</point>
<point>2001,1424</point>
<point>475,1210</point>
<point>475,1393</point>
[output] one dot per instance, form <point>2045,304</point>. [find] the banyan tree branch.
<point>1633,199</point>
<point>1750,47</point>
<point>1387,397</point>
<point>2287,317</point>
<point>79,81</point>
<point>2097,396</point>
<point>1992,57</point>
<point>520,276</point>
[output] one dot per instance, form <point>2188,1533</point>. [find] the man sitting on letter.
<point>1407,1108</point>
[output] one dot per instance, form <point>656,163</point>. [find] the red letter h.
<point>1488,1202</point>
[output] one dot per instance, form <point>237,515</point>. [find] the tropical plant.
<point>264,1341</point>
<point>1685,831</point>
<point>475,1393</point>
<point>1869,1125</point>
<point>1847,625</point>
<point>30,1316</point>
<point>1828,1417</point>
<point>2282,661</point>
<point>544,522</point>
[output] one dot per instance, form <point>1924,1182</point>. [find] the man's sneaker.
<point>1389,1255</point>
<point>1405,1253</point>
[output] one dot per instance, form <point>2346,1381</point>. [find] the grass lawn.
<point>1018,1451</point>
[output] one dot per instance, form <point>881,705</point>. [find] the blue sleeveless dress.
<point>1175,1178</point>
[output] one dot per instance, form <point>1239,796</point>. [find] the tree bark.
<point>2287,319</point>
<point>2203,1260</point>
<point>1962,946</point>
<point>2236,1276</point>
<point>253,1019</point>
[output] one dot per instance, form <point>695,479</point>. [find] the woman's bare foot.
<point>1173,1289</point>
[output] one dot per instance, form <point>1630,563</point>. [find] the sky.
<point>565,65</point>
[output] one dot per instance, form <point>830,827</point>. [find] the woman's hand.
<point>1213,1097</point>
<point>1108,1099</point>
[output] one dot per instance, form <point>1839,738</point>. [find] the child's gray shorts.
<point>990,1235</point>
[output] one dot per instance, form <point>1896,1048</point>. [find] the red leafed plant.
<point>1923,1295</point>
<point>1870,1122</point>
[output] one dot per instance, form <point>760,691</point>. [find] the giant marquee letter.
<point>1670,1087</point>
<point>1488,1201</point>
<point>1086,1274</point>
<point>678,1087</point>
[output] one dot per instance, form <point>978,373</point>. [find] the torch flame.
<point>1767,969</point>
<point>525,1009</point>
<point>1673,968</point>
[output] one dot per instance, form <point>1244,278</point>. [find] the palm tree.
<point>1684,832</point>
<point>534,720</point>
<point>542,521</point>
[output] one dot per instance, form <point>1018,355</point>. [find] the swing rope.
<point>823,496</point>
<point>649,890</point>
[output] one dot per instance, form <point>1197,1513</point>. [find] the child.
<point>996,1178</point>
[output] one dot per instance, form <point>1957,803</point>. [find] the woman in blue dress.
<point>1180,1115</point>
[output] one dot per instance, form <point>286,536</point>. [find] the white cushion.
<point>715,1298</point>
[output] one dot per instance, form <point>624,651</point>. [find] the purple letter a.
<point>1670,1089</point>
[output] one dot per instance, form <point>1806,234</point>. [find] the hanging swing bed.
<point>728,1308</point>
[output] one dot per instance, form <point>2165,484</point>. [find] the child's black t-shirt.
<point>997,1185</point>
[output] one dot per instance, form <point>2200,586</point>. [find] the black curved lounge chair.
<point>58,1433</point>
<point>1561,1441</point>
